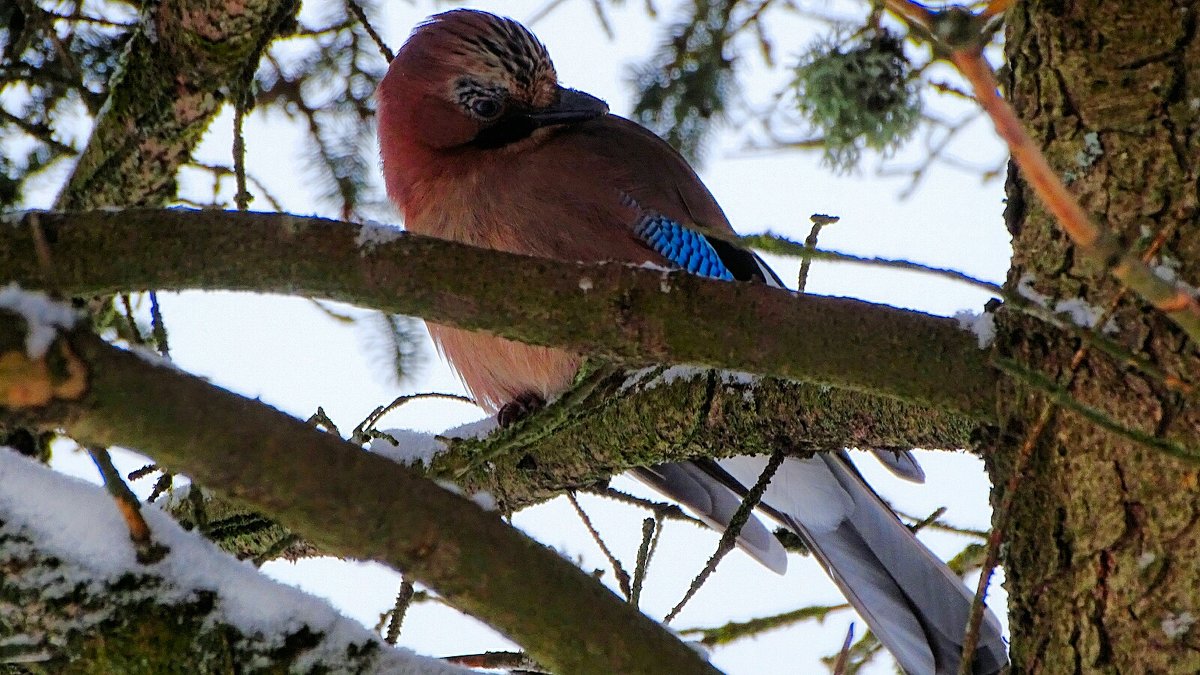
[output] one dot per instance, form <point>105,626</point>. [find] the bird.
<point>481,144</point>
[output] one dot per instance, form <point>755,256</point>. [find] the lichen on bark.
<point>1102,559</point>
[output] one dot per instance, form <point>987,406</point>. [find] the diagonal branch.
<point>1096,242</point>
<point>349,502</point>
<point>961,35</point>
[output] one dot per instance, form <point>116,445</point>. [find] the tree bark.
<point>1102,569</point>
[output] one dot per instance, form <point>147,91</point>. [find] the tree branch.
<point>663,415</point>
<point>177,70</point>
<point>346,501</point>
<point>637,316</point>
<point>75,599</point>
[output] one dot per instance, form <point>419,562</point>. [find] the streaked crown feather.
<point>492,48</point>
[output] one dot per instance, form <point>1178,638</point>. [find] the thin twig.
<point>135,335</point>
<point>1003,513</point>
<point>618,570</point>
<point>927,520</point>
<point>1062,397</point>
<point>912,12</point>
<point>160,486</point>
<point>819,221</point>
<point>396,615</point>
<point>361,15</point>
<point>241,196</point>
<point>1095,242</point>
<point>933,522</point>
<point>362,432</point>
<point>729,537</point>
<point>736,630</point>
<point>129,507</point>
<point>650,528</point>
<point>773,243</point>
<point>996,7</point>
<point>41,132</point>
<point>138,474</point>
<point>320,419</point>
<point>157,327</point>
<point>663,510</point>
<point>543,12</point>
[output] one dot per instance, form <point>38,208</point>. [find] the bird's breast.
<point>479,209</point>
<point>546,204</point>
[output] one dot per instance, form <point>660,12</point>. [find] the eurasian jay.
<point>481,145</point>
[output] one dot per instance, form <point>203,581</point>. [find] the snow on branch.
<point>43,317</point>
<point>71,575</point>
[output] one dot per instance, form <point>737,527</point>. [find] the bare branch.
<point>634,315</point>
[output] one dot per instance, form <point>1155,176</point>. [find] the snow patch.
<point>477,429</point>
<point>657,376</point>
<point>14,218</point>
<point>1081,313</point>
<point>485,500</point>
<point>1168,271</point>
<point>152,357</point>
<point>1076,309</point>
<point>748,382</point>
<point>451,487</point>
<point>636,377</point>
<point>407,447</point>
<point>982,325</point>
<point>738,377</point>
<point>410,447</point>
<point>1178,625</point>
<point>77,523</point>
<point>372,234</point>
<point>679,373</point>
<point>43,317</point>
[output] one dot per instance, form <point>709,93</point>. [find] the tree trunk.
<point>1102,568</point>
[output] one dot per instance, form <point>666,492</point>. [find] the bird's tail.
<point>912,601</point>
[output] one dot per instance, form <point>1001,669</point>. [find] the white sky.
<point>292,355</point>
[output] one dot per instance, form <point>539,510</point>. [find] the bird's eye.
<point>487,108</point>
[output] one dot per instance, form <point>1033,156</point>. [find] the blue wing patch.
<point>685,247</point>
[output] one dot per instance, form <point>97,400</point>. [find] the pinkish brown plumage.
<point>448,186</point>
<point>481,145</point>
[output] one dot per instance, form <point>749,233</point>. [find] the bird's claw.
<point>519,408</point>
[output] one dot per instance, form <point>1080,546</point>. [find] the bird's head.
<point>467,80</point>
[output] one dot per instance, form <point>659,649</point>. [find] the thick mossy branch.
<point>632,315</point>
<point>180,65</point>
<point>613,421</point>
<point>352,503</point>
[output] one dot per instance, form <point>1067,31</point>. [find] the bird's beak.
<point>572,106</point>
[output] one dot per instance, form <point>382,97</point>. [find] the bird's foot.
<point>519,408</point>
